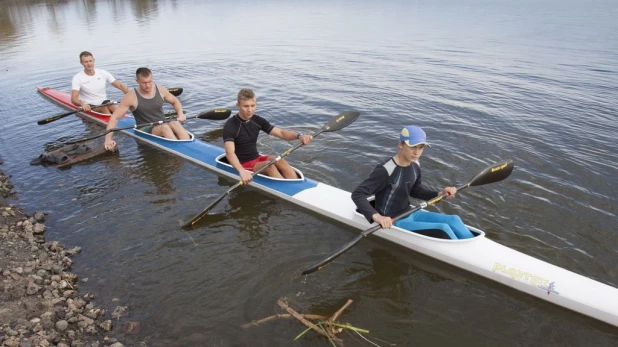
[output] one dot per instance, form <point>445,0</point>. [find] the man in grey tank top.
<point>146,103</point>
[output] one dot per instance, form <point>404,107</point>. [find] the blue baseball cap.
<point>413,136</point>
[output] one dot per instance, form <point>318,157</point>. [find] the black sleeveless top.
<point>148,110</point>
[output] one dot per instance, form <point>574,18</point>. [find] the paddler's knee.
<point>447,229</point>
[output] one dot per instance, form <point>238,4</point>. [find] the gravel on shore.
<point>40,301</point>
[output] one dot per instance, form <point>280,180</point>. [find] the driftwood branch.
<point>281,316</point>
<point>301,318</point>
<point>326,326</point>
<point>338,313</point>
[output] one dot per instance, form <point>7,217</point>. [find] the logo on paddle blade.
<point>494,169</point>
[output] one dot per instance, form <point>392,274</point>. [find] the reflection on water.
<point>157,169</point>
<point>17,18</point>
<point>56,22</point>
<point>244,205</point>
<point>487,81</point>
<point>212,136</point>
<point>144,10</point>
<point>87,11</point>
<point>7,25</point>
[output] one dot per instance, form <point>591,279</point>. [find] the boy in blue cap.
<point>393,181</point>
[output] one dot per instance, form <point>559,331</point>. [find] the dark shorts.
<point>147,129</point>
<point>248,165</point>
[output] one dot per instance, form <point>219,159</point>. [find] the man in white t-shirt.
<point>89,86</point>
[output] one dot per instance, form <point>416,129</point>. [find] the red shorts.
<point>248,165</point>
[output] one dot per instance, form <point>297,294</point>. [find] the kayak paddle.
<point>216,114</point>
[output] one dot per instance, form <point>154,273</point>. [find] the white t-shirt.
<point>92,89</point>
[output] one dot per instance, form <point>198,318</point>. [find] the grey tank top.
<point>148,110</point>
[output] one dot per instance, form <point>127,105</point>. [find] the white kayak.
<point>479,255</point>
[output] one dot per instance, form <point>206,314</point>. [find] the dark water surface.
<point>533,81</point>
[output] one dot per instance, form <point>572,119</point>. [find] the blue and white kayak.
<point>479,255</point>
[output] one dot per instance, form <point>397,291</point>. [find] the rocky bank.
<point>40,301</point>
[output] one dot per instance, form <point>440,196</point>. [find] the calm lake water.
<point>532,81</point>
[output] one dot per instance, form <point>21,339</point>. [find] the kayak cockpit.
<point>145,134</point>
<point>433,233</point>
<point>222,160</point>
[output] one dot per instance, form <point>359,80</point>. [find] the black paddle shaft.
<point>216,114</point>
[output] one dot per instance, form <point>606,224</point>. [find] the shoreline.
<point>41,303</point>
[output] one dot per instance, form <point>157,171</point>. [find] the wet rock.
<point>74,251</point>
<point>11,342</point>
<point>62,325</point>
<point>23,324</point>
<point>131,327</point>
<point>92,329</point>
<point>27,226</point>
<point>32,288</point>
<point>38,229</point>
<point>120,311</point>
<point>39,216</point>
<point>82,318</point>
<point>12,332</point>
<point>47,320</point>
<point>54,246</point>
<point>117,344</point>
<point>69,277</point>
<point>68,293</point>
<point>71,334</point>
<point>107,325</point>
<point>56,269</point>
<point>63,284</point>
<point>58,301</point>
<point>47,294</point>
